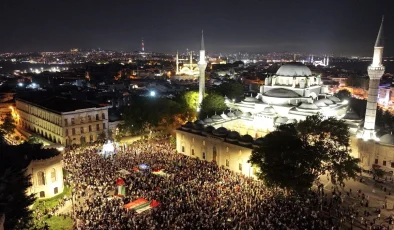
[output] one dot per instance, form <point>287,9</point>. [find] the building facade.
<point>218,145</point>
<point>62,121</point>
<point>46,177</point>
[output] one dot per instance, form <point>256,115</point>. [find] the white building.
<point>62,121</point>
<point>46,176</point>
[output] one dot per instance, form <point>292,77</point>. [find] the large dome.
<point>281,93</point>
<point>294,69</point>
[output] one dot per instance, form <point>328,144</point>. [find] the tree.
<point>343,94</point>
<point>34,140</point>
<point>232,89</point>
<point>313,147</point>
<point>8,125</point>
<point>14,182</point>
<point>379,173</point>
<point>213,103</point>
<point>290,166</point>
<point>101,137</point>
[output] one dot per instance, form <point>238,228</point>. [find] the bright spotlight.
<point>20,84</point>
<point>152,93</point>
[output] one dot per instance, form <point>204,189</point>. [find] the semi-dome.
<point>320,103</point>
<point>308,106</point>
<point>334,99</point>
<point>281,120</point>
<point>189,125</point>
<point>387,139</point>
<point>220,131</point>
<point>209,129</point>
<point>233,136</point>
<point>259,141</point>
<point>208,120</point>
<point>216,117</point>
<point>246,139</point>
<point>251,99</point>
<point>294,69</point>
<point>269,109</point>
<point>199,122</point>
<point>281,93</point>
<point>230,114</point>
<point>238,113</point>
<point>290,121</point>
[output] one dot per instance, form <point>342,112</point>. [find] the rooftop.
<point>58,104</point>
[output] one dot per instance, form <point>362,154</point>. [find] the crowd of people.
<point>193,194</point>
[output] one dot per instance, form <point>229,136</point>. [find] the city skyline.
<point>252,26</point>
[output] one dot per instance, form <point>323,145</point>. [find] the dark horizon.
<point>306,26</point>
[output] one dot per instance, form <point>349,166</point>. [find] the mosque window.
<point>384,163</point>
<point>192,152</point>
<point>72,121</point>
<point>376,161</point>
<point>56,190</point>
<point>53,175</point>
<point>81,129</point>
<point>240,166</point>
<point>103,116</point>
<point>392,164</point>
<point>97,127</point>
<point>42,194</point>
<point>227,163</point>
<point>203,155</point>
<point>183,149</point>
<point>90,128</point>
<point>97,117</point>
<point>41,178</point>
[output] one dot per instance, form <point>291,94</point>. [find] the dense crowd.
<point>193,194</point>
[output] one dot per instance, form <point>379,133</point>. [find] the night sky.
<point>340,27</point>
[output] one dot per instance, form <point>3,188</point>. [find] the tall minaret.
<point>375,72</point>
<point>328,60</point>
<point>177,63</point>
<point>202,65</point>
<point>191,59</point>
<point>142,45</point>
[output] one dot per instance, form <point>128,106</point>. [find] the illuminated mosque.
<point>188,70</point>
<point>292,94</point>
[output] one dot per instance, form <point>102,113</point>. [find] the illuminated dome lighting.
<point>294,69</point>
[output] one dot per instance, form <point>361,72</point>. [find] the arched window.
<point>97,117</point>
<point>82,140</point>
<point>41,178</point>
<point>53,175</point>
<point>103,116</point>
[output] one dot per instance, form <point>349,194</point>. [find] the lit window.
<point>41,178</point>
<point>53,175</point>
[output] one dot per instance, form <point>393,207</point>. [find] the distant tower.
<point>375,72</point>
<point>177,63</point>
<point>202,65</point>
<point>312,59</point>
<point>191,59</point>
<point>328,61</point>
<point>324,60</point>
<point>295,58</point>
<point>142,45</point>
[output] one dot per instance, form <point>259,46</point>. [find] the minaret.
<point>328,60</point>
<point>143,45</point>
<point>191,59</point>
<point>177,63</point>
<point>202,65</point>
<point>375,72</point>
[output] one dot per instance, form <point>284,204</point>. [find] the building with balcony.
<point>60,120</point>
